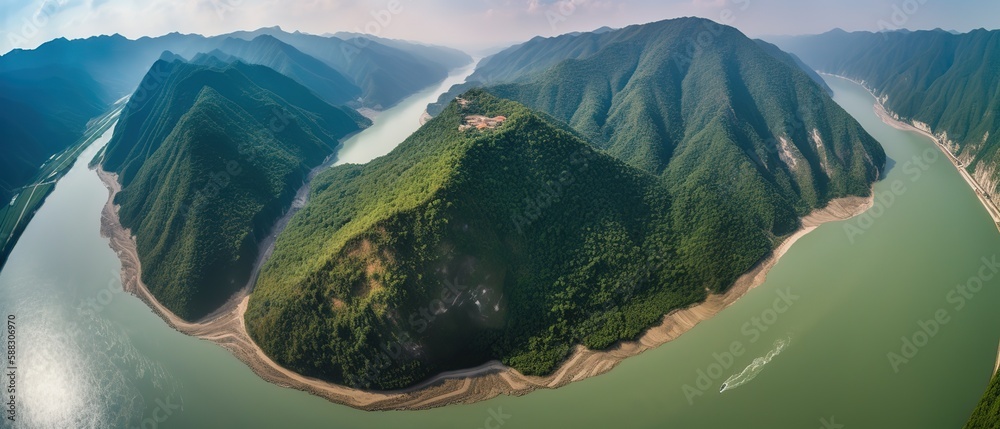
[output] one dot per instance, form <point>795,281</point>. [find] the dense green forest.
<point>44,111</point>
<point>643,186</point>
<point>522,62</point>
<point>949,82</point>
<point>209,158</point>
<point>987,413</point>
<point>465,246</point>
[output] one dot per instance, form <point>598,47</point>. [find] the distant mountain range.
<point>512,225</point>
<point>386,74</point>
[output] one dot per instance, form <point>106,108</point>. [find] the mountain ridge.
<point>208,159</point>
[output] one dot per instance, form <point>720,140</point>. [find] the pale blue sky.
<point>468,23</point>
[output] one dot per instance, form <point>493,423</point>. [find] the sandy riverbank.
<point>226,327</point>
<point>369,113</point>
<point>996,366</point>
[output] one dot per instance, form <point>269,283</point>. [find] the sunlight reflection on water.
<point>80,371</point>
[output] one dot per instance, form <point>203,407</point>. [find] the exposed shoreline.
<point>891,119</point>
<point>425,117</point>
<point>996,366</point>
<point>226,328</point>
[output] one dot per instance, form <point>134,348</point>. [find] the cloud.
<point>461,23</point>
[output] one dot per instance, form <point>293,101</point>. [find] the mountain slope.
<point>645,99</point>
<point>987,413</point>
<point>420,252</point>
<point>44,111</point>
<point>522,62</point>
<point>795,61</point>
<point>516,243</point>
<point>946,83</point>
<point>312,73</point>
<point>208,159</point>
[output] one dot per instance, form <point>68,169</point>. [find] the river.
<point>811,344</point>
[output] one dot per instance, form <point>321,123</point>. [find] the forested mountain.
<point>48,94</point>
<point>522,62</point>
<point>647,97</point>
<point>312,73</point>
<point>946,83</point>
<point>43,112</point>
<point>795,61</point>
<point>518,240</point>
<point>430,250</point>
<point>208,159</point>
<point>987,413</point>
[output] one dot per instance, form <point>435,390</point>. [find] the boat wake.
<point>755,367</point>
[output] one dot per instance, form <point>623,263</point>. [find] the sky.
<point>469,24</point>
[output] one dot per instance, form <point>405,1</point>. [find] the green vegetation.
<point>518,242</point>
<point>987,413</point>
<point>368,268</point>
<point>209,158</point>
<point>947,81</point>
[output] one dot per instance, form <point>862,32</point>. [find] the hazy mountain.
<point>44,111</point>
<point>314,74</point>
<point>448,57</point>
<point>385,73</point>
<point>209,158</point>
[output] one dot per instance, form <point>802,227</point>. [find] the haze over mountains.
<point>44,111</point>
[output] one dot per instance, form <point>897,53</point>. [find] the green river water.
<point>812,343</point>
